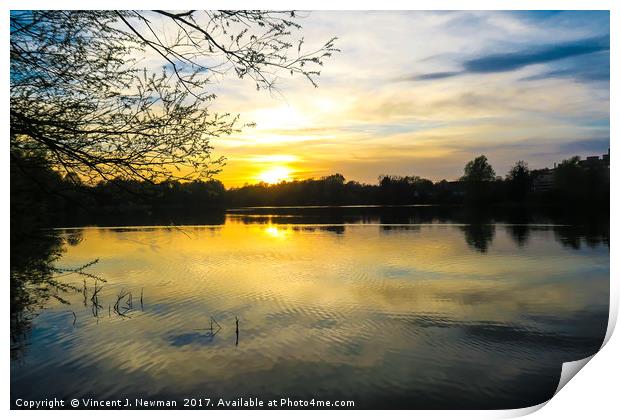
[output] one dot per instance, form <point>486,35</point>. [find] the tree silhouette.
<point>519,180</point>
<point>82,104</point>
<point>478,178</point>
<point>479,170</point>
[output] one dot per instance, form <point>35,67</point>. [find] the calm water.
<point>388,309</point>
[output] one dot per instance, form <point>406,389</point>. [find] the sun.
<point>276,232</point>
<point>275,175</point>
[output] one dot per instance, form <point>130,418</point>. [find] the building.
<point>599,164</point>
<point>595,161</point>
<point>544,179</point>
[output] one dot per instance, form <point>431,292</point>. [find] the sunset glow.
<point>409,96</point>
<point>275,175</point>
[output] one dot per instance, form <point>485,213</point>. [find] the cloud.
<point>505,62</point>
<point>438,75</point>
<point>513,61</point>
<point>590,68</point>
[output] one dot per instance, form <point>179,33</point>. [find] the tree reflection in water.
<point>36,278</point>
<point>479,236</point>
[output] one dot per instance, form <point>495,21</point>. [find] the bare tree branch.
<point>80,100</point>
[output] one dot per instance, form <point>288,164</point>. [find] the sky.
<point>421,93</point>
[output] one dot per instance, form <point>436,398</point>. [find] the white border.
<point>593,394</point>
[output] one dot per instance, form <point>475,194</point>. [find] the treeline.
<point>571,182</point>
<point>43,198</point>
<point>39,194</point>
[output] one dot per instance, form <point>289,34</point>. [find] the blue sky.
<point>422,93</point>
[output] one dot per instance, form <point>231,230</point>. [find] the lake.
<point>415,307</point>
